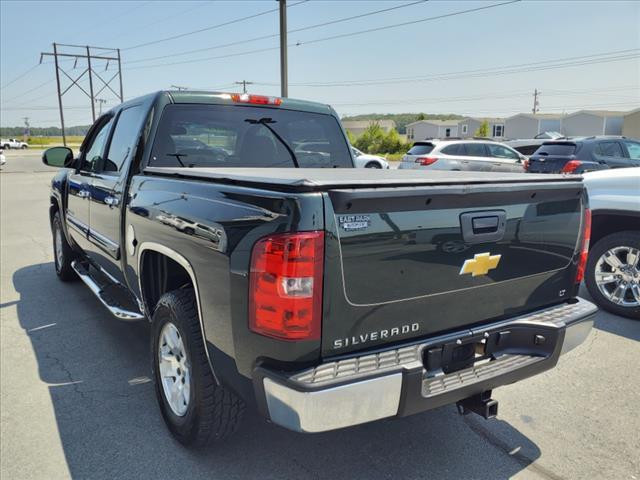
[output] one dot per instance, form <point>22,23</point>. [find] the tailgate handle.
<point>480,227</point>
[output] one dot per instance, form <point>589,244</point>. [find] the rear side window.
<point>610,149</point>
<point>420,149</point>
<point>247,136</point>
<point>557,149</point>
<point>455,149</point>
<point>474,150</point>
<point>124,138</point>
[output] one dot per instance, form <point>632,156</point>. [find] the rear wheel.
<point>23,147</point>
<point>63,255</point>
<point>196,409</point>
<point>613,273</point>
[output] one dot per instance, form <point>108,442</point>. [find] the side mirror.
<point>58,157</point>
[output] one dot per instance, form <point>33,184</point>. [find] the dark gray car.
<point>581,155</point>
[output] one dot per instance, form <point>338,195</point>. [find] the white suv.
<point>476,155</point>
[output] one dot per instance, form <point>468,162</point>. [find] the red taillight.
<point>571,166</point>
<point>426,160</point>
<point>285,286</point>
<point>584,252</point>
<point>525,164</point>
<point>255,99</point>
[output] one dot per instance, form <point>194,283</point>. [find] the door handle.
<point>84,194</point>
<point>112,201</point>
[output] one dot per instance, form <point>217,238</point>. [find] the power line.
<point>20,76</point>
<point>212,27</point>
<point>274,35</point>
<point>505,69</point>
<point>333,37</point>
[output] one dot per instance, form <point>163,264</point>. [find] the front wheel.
<point>197,410</point>
<point>612,274</point>
<point>62,253</point>
<point>372,165</point>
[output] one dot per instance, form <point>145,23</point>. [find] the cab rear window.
<point>232,136</point>
<point>420,149</point>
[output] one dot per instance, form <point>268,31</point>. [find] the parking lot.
<point>76,399</point>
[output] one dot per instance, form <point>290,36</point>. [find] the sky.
<point>431,57</point>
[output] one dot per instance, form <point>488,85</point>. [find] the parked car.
<point>529,145</point>
<point>3,159</point>
<point>13,143</point>
<point>585,154</point>
<point>613,269</point>
<point>365,160</point>
<point>475,155</point>
<point>296,289</point>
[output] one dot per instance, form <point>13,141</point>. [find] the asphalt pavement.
<point>76,399</point>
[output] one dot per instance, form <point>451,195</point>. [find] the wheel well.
<point>371,162</point>
<point>605,224</point>
<point>160,274</point>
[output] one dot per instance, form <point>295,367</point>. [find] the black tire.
<point>7,146</point>
<point>372,165</point>
<point>23,147</point>
<point>620,239</point>
<point>63,261</point>
<point>213,411</point>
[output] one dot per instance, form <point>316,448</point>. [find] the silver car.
<point>473,155</point>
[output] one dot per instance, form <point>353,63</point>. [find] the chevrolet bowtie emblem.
<point>480,264</point>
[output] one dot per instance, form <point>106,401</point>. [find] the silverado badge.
<point>480,264</point>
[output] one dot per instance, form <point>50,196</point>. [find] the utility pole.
<point>101,101</point>
<point>69,51</point>
<point>284,82</point>
<point>244,84</point>
<point>536,102</point>
<point>26,129</point>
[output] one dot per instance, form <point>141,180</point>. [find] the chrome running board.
<point>101,293</point>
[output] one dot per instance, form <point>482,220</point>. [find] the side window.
<point>454,149</point>
<point>610,149</point>
<point>498,151</point>
<point>475,150</point>
<point>634,149</point>
<point>123,140</point>
<point>93,154</point>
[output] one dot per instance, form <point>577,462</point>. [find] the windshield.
<point>243,136</point>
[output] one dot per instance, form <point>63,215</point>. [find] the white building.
<point>585,123</point>
<point>424,129</point>
<point>467,127</point>
<point>528,125</point>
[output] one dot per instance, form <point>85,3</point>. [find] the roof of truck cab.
<point>327,178</point>
<point>224,98</point>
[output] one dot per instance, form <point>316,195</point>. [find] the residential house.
<point>528,125</point>
<point>357,127</point>
<point>467,127</point>
<point>585,123</point>
<point>631,124</point>
<point>423,129</point>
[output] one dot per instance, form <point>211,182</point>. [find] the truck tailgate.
<point>409,262</point>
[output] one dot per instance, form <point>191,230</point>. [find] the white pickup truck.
<point>13,143</point>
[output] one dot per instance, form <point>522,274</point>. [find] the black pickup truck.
<point>276,275</point>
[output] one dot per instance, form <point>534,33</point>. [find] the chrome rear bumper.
<point>397,382</point>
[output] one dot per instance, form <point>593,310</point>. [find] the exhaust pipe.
<point>482,404</point>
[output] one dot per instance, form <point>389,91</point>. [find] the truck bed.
<point>321,179</point>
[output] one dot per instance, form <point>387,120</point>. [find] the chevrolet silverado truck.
<point>277,276</point>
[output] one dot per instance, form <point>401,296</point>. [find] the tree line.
<point>16,132</point>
